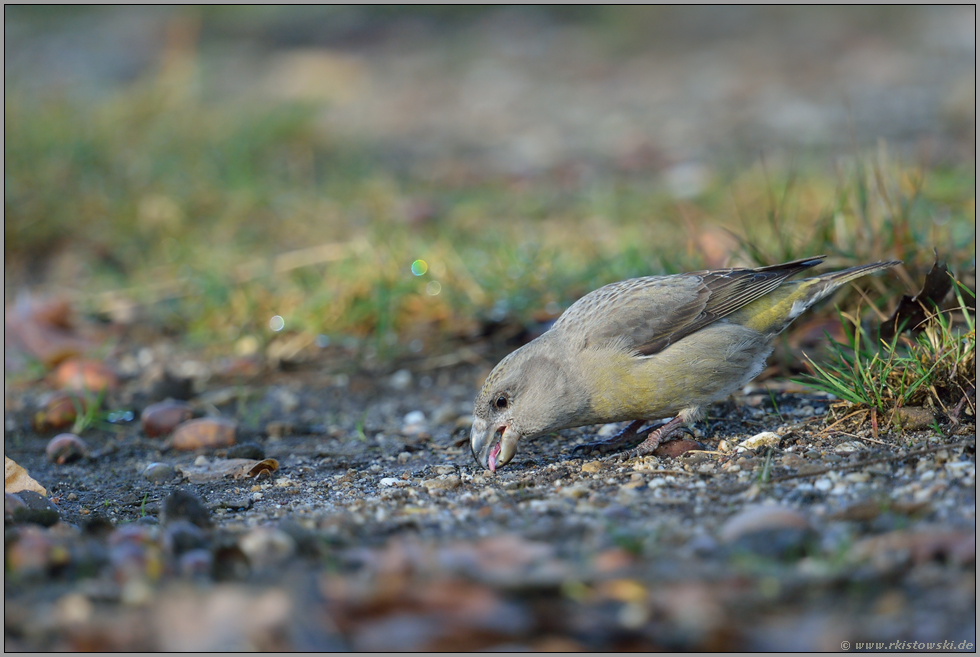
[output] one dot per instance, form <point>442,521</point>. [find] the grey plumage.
<point>645,348</point>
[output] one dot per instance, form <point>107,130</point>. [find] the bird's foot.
<point>628,437</point>
<point>654,440</point>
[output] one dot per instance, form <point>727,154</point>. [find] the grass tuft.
<point>935,368</point>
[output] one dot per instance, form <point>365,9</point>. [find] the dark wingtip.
<point>801,264</point>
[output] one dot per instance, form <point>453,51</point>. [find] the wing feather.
<point>654,312</point>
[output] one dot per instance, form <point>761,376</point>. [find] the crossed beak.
<point>493,445</point>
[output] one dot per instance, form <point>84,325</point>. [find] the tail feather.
<point>824,284</point>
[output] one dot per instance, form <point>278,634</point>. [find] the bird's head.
<point>526,394</point>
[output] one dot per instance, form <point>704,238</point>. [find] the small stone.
<point>403,457</point>
<point>182,503</point>
<point>66,447</point>
<point>911,418</point>
<point>961,468</point>
<point>266,546</point>
<point>30,551</point>
<point>444,414</point>
<point>181,536</point>
<point>400,380</point>
<point>37,509</point>
<point>60,410</point>
<point>287,399</point>
<point>159,473</point>
<point>208,432</point>
<point>607,430</point>
<point>163,417</point>
<point>391,481</point>
<point>279,429</point>
<point>85,375</point>
<point>764,439</point>
<point>767,530</point>
<point>792,460</point>
<point>575,492</point>
<point>592,466</point>
<point>823,484</point>
<point>674,448</point>
<point>11,502</point>
<point>857,477</point>
<point>196,564</point>
<point>851,447</point>
<point>415,417</point>
<point>446,482</point>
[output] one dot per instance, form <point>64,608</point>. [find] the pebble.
<point>592,466</point>
<point>29,554</point>
<point>266,546</point>
<point>287,399</point>
<point>443,415</point>
<point>184,504</point>
<point>400,380</point>
<point>823,484</point>
<point>11,502</point>
<point>443,483</point>
<point>85,375</point>
<point>207,432</point>
<point>851,447</point>
<point>764,439</point>
<point>65,448</point>
<point>163,417</point>
<point>961,468</point>
<point>574,492</point>
<point>59,411</point>
<point>181,536</point>
<point>159,473</point>
<point>768,530</point>
<point>197,563</point>
<point>911,418</point>
<point>37,509</point>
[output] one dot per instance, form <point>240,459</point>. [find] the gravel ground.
<point>378,531</point>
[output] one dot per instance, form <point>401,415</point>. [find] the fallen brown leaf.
<point>15,479</point>
<point>233,468</point>
<point>911,311</point>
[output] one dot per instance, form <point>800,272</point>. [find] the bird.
<point>645,349</point>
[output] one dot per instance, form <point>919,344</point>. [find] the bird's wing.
<point>654,312</point>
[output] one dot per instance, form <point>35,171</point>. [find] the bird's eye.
<point>501,403</point>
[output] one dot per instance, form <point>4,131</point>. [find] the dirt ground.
<point>378,531</point>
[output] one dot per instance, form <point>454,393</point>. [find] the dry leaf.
<point>16,479</point>
<point>911,311</point>
<point>233,468</point>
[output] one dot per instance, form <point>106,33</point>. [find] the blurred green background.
<point>400,176</point>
